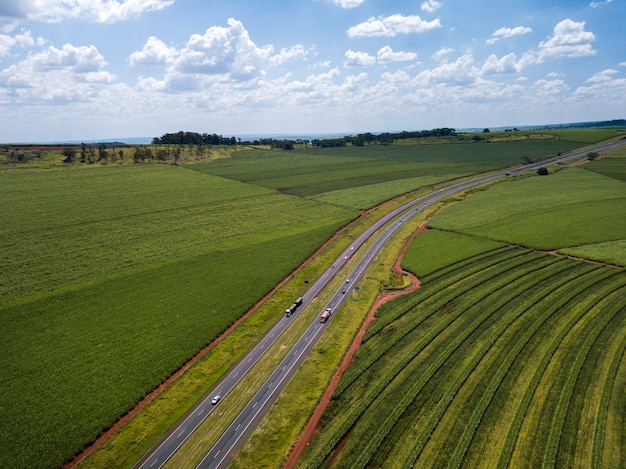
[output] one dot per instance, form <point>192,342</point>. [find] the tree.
<point>592,156</point>
<point>542,171</point>
<point>70,155</point>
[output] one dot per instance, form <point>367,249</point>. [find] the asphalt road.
<point>229,443</point>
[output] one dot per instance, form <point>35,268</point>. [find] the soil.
<point>313,427</point>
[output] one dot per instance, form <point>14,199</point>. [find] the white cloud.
<point>431,6</point>
<point>508,32</point>
<point>550,88</point>
<point>23,39</point>
<point>569,40</point>
<point>100,11</point>
<point>386,54</point>
<point>226,51</point>
<point>348,3</point>
<point>358,59</point>
<point>506,64</point>
<point>603,76</point>
<point>286,55</point>
<point>441,54</point>
<point>392,25</point>
<point>81,59</point>
<point>621,64</point>
<point>154,52</point>
<point>462,71</point>
<point>70,74</point>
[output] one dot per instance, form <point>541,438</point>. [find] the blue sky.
<point>97,69</point>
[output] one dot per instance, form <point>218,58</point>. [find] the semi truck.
<point>325,315</point>
<point>292,309</point>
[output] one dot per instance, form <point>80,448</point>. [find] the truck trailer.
<point>292,309</point>
<point>325,315</point>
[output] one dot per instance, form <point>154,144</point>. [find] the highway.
<point>229,443</point>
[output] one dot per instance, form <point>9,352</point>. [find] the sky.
<point>100,69</point>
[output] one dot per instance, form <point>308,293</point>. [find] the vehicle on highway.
<point>216,399</point>
<point>292,309</point>
<point>325,315</point>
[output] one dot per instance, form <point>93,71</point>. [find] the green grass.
<point>543,212</point>
<point>116,278</point>
<point>434,249</point>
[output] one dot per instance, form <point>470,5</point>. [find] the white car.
<point>216,399</point>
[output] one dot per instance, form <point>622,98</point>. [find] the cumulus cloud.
<point>508,32</point>
<point>506,64</point>
<point>603,76</point>
<point>569,40</point>
<point>100,11</point>
<point>69,74</point>
<point>220,53</point>
<point>154,52</point>
<point>392,25</point>
<point>431,6</point>
<point>358,59</point>
<point>81,59</point>
<point>22,40</point>
<point>460,72</point>
<point>386,54</point>
<point>296,52</point>
<point>227,51</point>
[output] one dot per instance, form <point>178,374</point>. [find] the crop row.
<point>491,319</point>
<point>491,279</point>
<point>571,309</point>
<point>433,302</point>
<point>467,365</point>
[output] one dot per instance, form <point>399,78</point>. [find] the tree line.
<point>368,138</point>
<point>193,138</point>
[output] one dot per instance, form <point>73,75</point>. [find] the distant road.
<point>229,443</point>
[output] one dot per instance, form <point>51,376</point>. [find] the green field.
<point>360,177</point>
<point>573,207</point>
<point>500,360</point>
<point>113,277</point>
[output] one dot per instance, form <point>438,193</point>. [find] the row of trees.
<point>193,138</point>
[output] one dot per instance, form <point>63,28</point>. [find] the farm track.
<point>464,367</point>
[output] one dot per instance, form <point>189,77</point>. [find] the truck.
<point>292,309</point>
<point>325,315</point>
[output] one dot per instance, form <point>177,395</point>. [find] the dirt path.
<point>313,426</point>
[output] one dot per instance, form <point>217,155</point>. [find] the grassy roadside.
<point>273,439</point>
